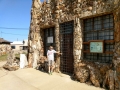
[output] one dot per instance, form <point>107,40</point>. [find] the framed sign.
<point>49,39</point>
<point>96,46</point>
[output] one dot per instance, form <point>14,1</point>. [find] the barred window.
<point>99,28</point>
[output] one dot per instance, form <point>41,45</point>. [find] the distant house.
<point>16,45</point>
<point>3,41</point>
<point>19,45</point>
<point>25,44</point>
<point>4,46</point>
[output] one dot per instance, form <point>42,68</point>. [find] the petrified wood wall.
<point>116,58</point>
<point>77,41</point>
<point>54,12</point>
<point>4,48</point>
<point>35,41</point>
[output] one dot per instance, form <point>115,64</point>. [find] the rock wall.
<point>35,43</point>
<point>116,58</point>
<point>53,12</point>
<point>77,41</point>
<point>4,48</point>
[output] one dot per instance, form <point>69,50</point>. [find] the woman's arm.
<point>58,52</point>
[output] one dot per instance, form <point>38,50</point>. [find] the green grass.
<point>4,57</point>
<point>17,55</point>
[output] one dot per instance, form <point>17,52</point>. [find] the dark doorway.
<point>66,44</point>
<point>49,39</point>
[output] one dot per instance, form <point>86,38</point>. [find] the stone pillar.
<point>116,58</point>
<point>34,40</point>
<point>77,49</point>
<point>57,42</point>
<point>10,57</point>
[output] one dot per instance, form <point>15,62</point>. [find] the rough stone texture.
<point>42,64</point>
<point>57,44</point>
<point>10,68</point>
<point>10,57</point>
<point>116,59</point>
<point>110,80</point>
<point>12,63</point>
<point>82,74</point>
<point>77,40</point>
<point>53,12</point>
<point>4,48</point>
<point>57,40</point>
<point>35,40</point>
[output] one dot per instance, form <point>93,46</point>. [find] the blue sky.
<point>15,14</point>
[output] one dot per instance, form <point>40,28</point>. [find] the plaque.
<point>49,39</point>
<point>96,47</point>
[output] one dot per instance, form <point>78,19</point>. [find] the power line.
<point>14,34</point>
<point>14,28</point>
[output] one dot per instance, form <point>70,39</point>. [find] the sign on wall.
<point>49,39</point>
<point>96,47</point>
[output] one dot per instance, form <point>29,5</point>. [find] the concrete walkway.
<point>31,79</point>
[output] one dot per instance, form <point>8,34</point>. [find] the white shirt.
<point>50,54</point>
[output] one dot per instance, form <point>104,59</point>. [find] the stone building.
<point>83,30</point>
<point>4,46</point>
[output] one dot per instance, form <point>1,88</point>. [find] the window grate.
<point>66,46</point>
<point>99,28</point>
<point>66,28</point>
